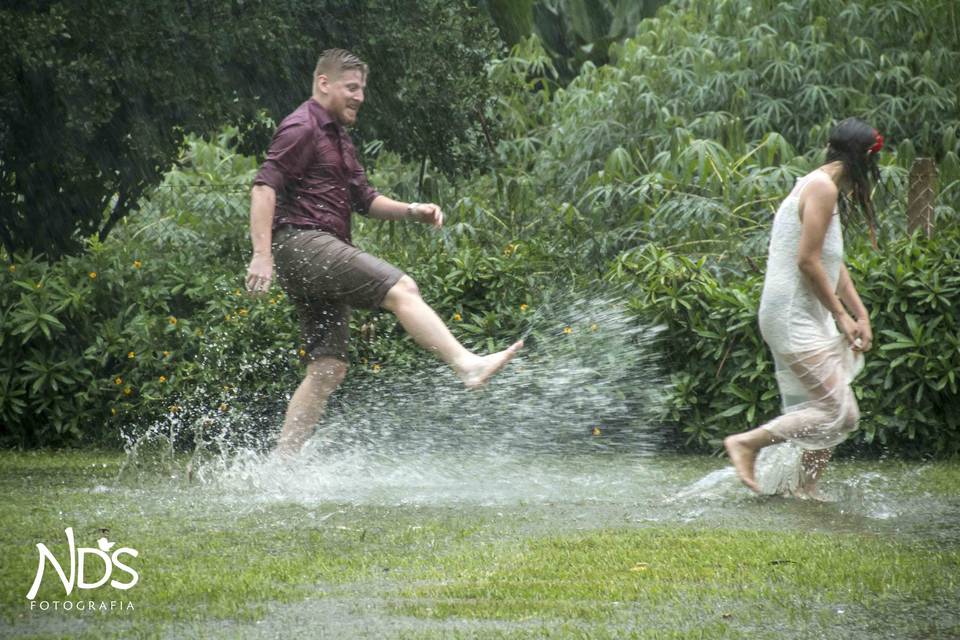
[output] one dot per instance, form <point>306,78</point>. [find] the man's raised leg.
<point>429,331</point>
<point>306,406</point>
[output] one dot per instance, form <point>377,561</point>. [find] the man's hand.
<point>260,274</point>
<point>428,214</point>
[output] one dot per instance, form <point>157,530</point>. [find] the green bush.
<point>721,371</point>
<point>151,323</point>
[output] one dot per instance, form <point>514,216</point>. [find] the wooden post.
<point>923,193</point>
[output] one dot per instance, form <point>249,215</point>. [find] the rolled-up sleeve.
<point>289,156</point>
<point>362,194</point>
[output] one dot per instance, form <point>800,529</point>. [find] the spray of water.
<point>588,383</point>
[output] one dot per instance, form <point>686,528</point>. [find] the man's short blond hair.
<point>333,62</point>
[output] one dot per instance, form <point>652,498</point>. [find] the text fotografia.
<point>86,562</point>
<point>102,606</point>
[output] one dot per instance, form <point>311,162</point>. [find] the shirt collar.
<point>323,116</point>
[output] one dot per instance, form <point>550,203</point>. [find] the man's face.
<point>344,95</point>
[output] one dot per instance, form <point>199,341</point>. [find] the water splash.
<point>588,383</point>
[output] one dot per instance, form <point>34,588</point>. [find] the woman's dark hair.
<point>856,144</point>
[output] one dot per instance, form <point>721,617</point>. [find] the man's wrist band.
<point>411,207</point>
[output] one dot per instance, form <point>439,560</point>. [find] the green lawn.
<point>216,565</point>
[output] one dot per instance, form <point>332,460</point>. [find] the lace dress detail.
<point>814,362</point>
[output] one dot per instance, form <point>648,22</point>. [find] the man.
<point>300,211</point>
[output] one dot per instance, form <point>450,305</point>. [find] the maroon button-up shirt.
<point>312,166</point>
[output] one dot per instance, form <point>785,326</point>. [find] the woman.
<point>812,319</point>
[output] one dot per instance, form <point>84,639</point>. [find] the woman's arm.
<point>817,203</point>
<point>851,300</point>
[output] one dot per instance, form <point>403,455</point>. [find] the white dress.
<point>814,362</point>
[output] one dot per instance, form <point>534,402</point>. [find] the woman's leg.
<point>829,404</point>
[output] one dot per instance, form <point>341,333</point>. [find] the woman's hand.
<point>864,334</point>
<point>850,329</point>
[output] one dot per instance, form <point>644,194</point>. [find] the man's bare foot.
<point>282,456</point>
<point>742,458</point>
<point>478,371</point>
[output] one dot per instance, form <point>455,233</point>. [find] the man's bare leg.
<point>306,406</point>
<point>429,331</point>
<point>742,449</point>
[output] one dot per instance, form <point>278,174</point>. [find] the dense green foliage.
<point>114,333</point>
<point>573,31</point>
<point>656,175</point>
<point>95,96</point>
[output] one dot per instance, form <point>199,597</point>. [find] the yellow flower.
<point>226,317</point>
<point>567,330</point>
<point>166,354</point>
<point>596,431</point>
<point>137,264</point>
<point>12,268</point>
<point>523,307</point>
<point>93,275</point>
<point>39,285</point>
<point>224,407</point>
<point>172,320</point>
<point>376,368</point>
<point>301,353</point>
<point>127,390</point>
<point>457,317</point>
<point>174,408</point>
<point>113,411</point>
<point>640,566</point>
<point>163,379</point>
<point>118,380</point>
<point>131,355</point>
<point>198,332</point>
<point>593,327</point>
<point>237,292</point>
<point>243,312</point>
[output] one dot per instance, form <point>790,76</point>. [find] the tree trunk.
<point>923,193</point>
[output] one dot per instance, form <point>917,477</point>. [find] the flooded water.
<point>584,490</point>
<point>503,499</point>
<point>568,430</point>
<point>508,498</point>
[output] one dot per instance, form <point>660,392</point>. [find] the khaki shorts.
<point>325,278</point>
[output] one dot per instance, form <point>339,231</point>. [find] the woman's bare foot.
<point>478,371</point>
<point>742,456</point>
<point>810,491</point>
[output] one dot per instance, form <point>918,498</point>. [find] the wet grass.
<point>668,582</point>
<point>219,565</point>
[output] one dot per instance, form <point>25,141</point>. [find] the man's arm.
<point>263,202</point>
<point>384,208</point>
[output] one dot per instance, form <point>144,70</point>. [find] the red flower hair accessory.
<point>878,145</point>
